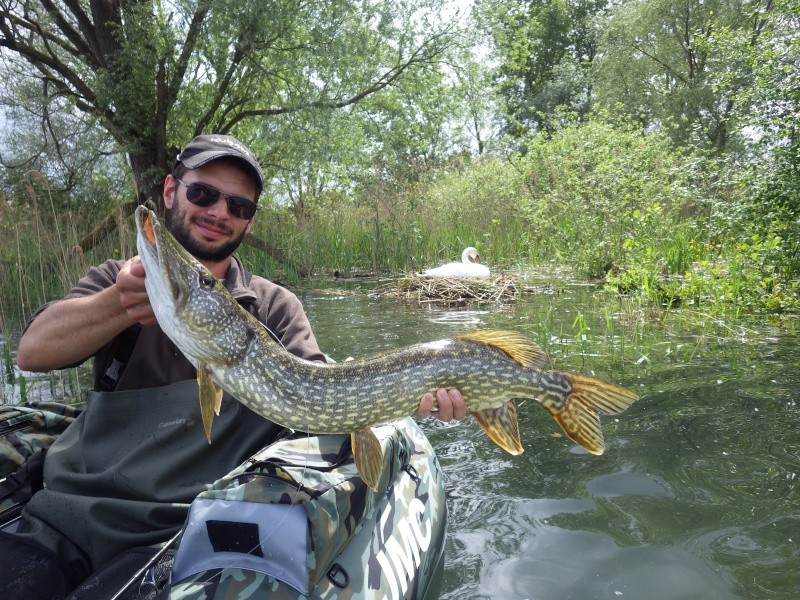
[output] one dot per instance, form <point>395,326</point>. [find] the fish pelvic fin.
<point>519,348</point>
<point>579,413</point>
<point>210,399</point>
<point>500,424</point>
<point>368,454</point>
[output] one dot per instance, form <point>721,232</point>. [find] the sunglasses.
<point>202,194</point>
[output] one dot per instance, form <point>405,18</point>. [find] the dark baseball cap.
<point>206,148</point>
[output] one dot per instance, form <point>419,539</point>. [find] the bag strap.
<point>119,356</point>
<point>31,471</point>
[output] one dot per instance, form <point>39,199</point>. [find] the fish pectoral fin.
<point>368,454</point>
<point>210,399</point>
<point>579,414</point>
<point>500,424</point>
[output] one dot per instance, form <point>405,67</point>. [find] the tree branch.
<point>40,59</point>
<point>82,42</point>
<point>189,45</point>
<point>422,55</point>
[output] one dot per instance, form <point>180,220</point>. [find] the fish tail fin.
<point>500,424</point>
<point>579,412</point>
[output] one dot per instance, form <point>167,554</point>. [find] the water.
<point>696,495</point>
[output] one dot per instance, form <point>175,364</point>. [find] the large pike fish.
<point>232,351</point>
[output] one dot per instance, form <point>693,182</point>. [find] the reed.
<point>406,230</point>
<point>41,262</point>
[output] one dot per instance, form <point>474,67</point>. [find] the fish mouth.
<point>156,261</point>
<point>145,224</point>
<point>148,240</point>
<point>147,227</point>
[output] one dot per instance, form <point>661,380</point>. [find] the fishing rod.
<point>138,576</point>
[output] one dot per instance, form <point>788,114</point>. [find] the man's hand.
<point>132,293</point>
<point>451,405</point>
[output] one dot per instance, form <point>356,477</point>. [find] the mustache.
<point>212,223</point>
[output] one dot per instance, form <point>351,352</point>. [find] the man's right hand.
<point>69,331</point>
<point>132,293</point>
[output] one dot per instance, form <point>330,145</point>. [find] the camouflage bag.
<point>26,431</point>
<point>279,525</point>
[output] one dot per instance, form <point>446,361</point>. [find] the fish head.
<point>193,308</point>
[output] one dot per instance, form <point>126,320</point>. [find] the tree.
<point>154,73</point>
<point>545,50</point>
<point>661,59</point>
<point>769,110</point>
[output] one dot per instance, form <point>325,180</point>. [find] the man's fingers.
<point>137,267</point>
<point>445,405</point>
<point>450,405</point>
<point>425,404</point>
<point>458,404</point>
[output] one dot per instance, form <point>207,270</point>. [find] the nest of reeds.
<point>452,290</point>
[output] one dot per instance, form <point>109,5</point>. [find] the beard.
<point>179,228</point>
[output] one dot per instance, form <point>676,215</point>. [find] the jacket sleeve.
<point>282,312</point>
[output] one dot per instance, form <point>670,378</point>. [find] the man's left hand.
<point>451,405</point>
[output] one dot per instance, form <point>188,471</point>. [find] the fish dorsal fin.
<point>519,348</point>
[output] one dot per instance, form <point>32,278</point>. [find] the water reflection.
<point>580,565</point>
<point>628,484</point>
<point>471,319</point>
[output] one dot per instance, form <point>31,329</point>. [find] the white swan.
<point>468,267</point>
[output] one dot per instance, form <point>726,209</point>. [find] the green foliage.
<point>598,190</point>
<point>769,110</point>
<point>662,227</point>
<point>545,50</point>
<point>387,228</point>
<point>274,73</point>
<point>661,61</point>
<point>41,258</point>
<point>741,268</point>
<point>368,118</point>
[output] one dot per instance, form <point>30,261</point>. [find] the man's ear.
<point>170,189</point>
<point>249,227</point>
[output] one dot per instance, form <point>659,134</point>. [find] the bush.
<point>601,195</point>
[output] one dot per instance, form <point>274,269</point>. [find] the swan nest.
<point>453,290</point>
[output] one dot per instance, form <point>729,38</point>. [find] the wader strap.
<point>122,348</point>
<point>31,471</point>
<point>35,466</point>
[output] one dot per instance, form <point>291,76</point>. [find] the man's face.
<point>209,233</point>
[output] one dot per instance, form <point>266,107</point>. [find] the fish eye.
<point>207,280</point>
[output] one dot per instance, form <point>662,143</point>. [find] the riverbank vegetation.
<point>650,145</point>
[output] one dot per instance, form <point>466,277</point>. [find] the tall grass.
<point>41,261</point>
<point>42,258</point>
<point>392,230</point>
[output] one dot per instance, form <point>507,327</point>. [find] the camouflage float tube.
<point>296,521</point>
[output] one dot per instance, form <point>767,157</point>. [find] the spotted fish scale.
<point>351,396</point>
<point>232,351</point>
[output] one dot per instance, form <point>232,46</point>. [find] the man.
<point>123,475</point>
